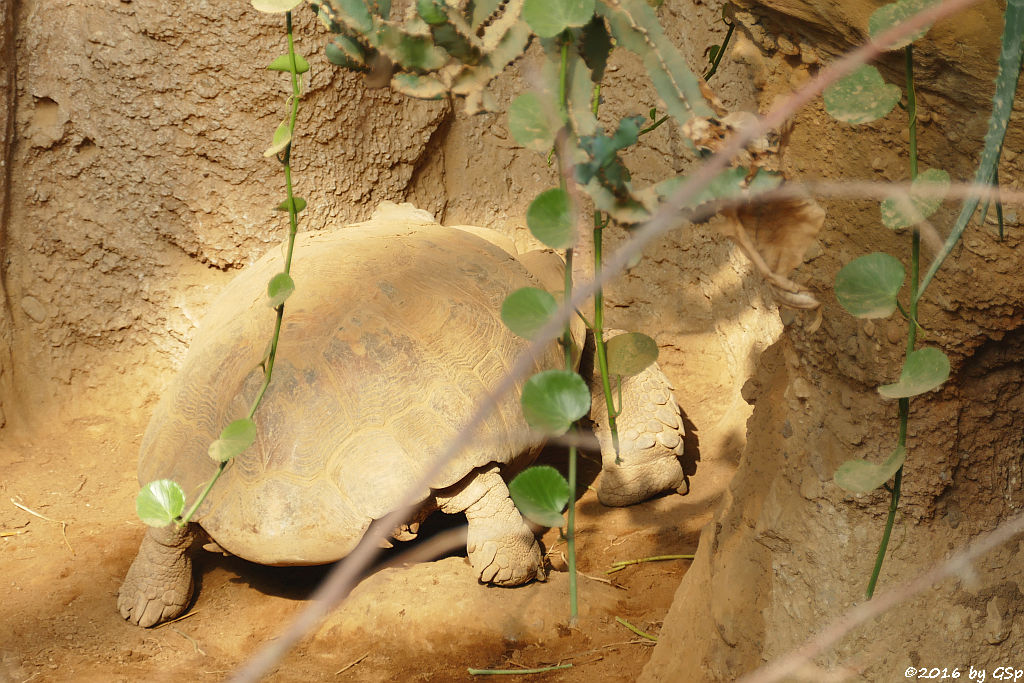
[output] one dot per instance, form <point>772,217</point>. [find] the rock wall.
<point>139,187</point>
<point>7,85</point>
<point>789,551</point>
<point>138,181</point>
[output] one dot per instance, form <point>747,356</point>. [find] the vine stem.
<point>915,264</point>
<point>599,346</point>
<point>293,226</point>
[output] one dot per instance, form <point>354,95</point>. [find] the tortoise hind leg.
<point>651,434</point>
<point>501,547</point>
<point>158,585</point>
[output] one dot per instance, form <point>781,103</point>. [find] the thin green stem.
<point>570,538</point>
<point>915,270</point>
<point>567,340</point>
<point>648,129</point>
<point>721,52</point>
<point>202,496</point>
<point>293,220</point>
<point>999,202</point>
<point>563,79</point>
<point>911,108</point>
<point>599,347</point>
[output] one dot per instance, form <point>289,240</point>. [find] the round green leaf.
<point>284,63</point>
<point>550,218</point>
<point>860,97</point>
<point>554,399</point>
<point>867,287</point>
<point>887,16</point>
<point>282,136</point>
<point>630,353</point>
<point>235,438</point>
<point>160,502</point>
<point>279,289</point>
<point>275,5</point>
<point>926,195</point>
<point>924,370</point>
<point>526,310</point>
<point>540,493</point>
<point>548,18</point>
<point>861,476</point>
<point>528,123</point>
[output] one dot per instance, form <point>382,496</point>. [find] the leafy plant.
<point>162,502</point>
<point>869,286</point>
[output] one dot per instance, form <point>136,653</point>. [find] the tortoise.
<point>389,341</point>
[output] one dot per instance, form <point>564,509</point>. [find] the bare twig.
<point>181,618</point>
<point>190,639</point>
<point>494,672</point>
<point>636,630</point>
<point>352,663</point>
<point>619,566</point>
<point>63,524</point>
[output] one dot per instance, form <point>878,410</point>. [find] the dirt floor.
<point>68,533</point>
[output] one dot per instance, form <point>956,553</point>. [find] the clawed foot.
<point>509,560</point>
<point>158,585</point>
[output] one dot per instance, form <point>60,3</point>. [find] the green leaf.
<point>926,195</point>
<point>355,13</point>
<point>282,138</point>
<point>286,205</point>
<point>431,11</point>
<point>235,438</point>
<point>420,87</point>
<point>924,370</point>
<point>636,27</point>
<point>630,353</point>
<point>860,97</point>
<point>554,399</point>
<point>526,310</point>
<point>540,493</point>
<point>279,289</point>
<point>861,476</point>
<point>284,63</point>
<point>887,16</point>
<point>549,218</point>
<point>160,502</point>
<point>414,52</point>
<point>867,287</point>
<point>346,52</point>
<point>1002,104</point>
<point>548,18</point>
<point>275,6</point>
<point>529,124</point>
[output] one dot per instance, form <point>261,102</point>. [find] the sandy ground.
<point>68,533</point>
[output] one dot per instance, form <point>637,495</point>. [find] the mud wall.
<point>139,188</point>
<point>138,183</point>
<point>789,551</point>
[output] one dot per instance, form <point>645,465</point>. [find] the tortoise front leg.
<point>158,585</point>
<point>501,547</point>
